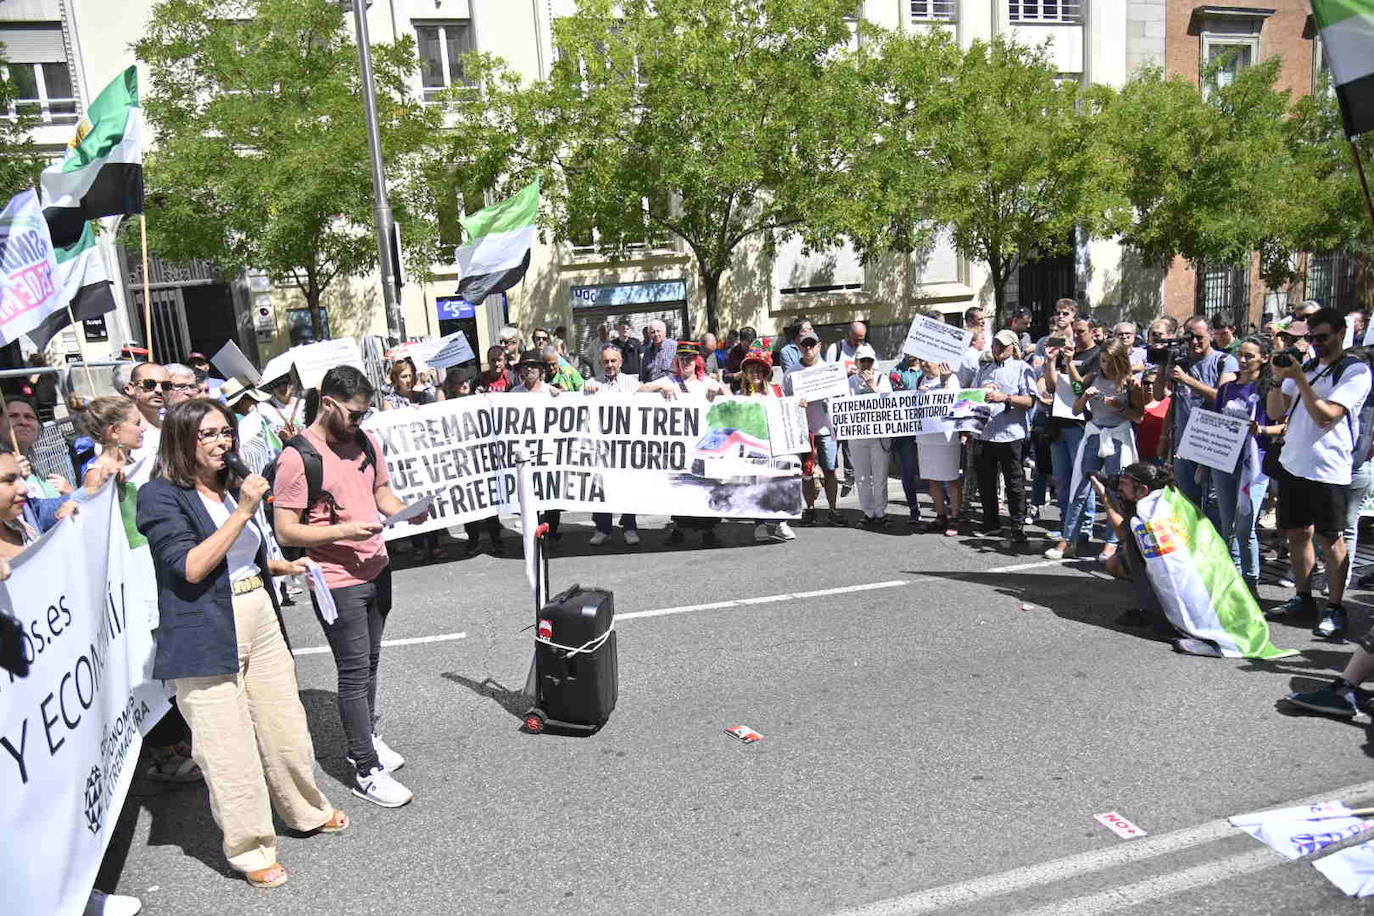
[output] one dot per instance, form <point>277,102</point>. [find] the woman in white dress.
<point>937,455</point>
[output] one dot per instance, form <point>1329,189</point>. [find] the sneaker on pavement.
<point>1018,536</point>
<point>599,538</point>
<point>381,788</point>
<point>389,759</point>
<point>761,532</point>
<point>1333,623</point>
<point>1285,582</point>
<point>1335,699</point>
<point>808,518</point>
<point>174,767</point>
<point>1297,606</point>
<point>836,517</point>
<point>632,537</point>
<point>784,531</point>
<point>113,904</point>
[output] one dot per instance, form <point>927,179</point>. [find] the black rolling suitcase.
<point>574,681</point>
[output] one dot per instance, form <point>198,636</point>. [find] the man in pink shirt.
<point>341,528</point>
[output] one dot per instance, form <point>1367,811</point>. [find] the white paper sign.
<point>787,429</point>
<point>827,380</point>
<point>1352,869</point>
<point>1300,831</point>
<point>324,598</point>
<point>277,367</point>
<point>1213,439</point>
<point>231,361</point>
<point>1119,825</point>
<point>312,361</point>
<point>935,341</point>
<point>454,351</point>
<point>1064,399</point>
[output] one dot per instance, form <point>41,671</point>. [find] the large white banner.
<point>909,413</point>
<point>29,291</point>
<point>608,453</point>
<point>70,731</point>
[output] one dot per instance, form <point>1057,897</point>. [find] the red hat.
<point>762,357</point>
<point>688,348</point>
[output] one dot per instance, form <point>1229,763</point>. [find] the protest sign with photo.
<point>909,413</point>
<point>826,380</point>
<point>613,453</point>
<point>935,341</point>
<point>1214,439</point>
<point>70,732</point>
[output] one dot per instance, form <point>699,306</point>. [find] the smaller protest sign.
<point>278,367</point>
<point>454,350</point>
<point>312,361</point>
<point>1213,439</point>
<point>788,433</point>
<point>231,361</point>
<point>935,341</point>
<point>1064,399</point>
<point>827,380</point>
<point>29,288</point>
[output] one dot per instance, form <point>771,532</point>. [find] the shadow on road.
<point>326,732</point>
<point>514,702</point>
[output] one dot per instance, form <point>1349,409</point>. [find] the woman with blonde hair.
<point>1114,402</point>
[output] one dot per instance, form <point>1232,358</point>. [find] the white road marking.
<point>1036,565</point>
<point>387,643</point>
<point>767,599</point>
<point>1119,898</point>
<point>979,889</point>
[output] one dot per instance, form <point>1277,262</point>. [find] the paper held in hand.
<point>935,341</point>
<point>417,509</point>
<point>314,577</point>
<point>1213,439</point>
<point>233,364</point>
<point>827,380</point>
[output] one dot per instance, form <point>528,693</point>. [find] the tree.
<point>20,161</point>
<point>1018,159</point>
<point>714,121</point>
<point>1209,174</point>
<point>261,157</point>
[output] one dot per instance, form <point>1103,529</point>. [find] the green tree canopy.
<point>1209,173</point>
<point>261,155</point>
<point>710,120</point>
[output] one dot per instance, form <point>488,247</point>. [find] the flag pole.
<point>14,440</point>
<point>81,348</point>
<point>147,296</point>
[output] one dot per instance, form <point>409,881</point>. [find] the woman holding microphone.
<point>219,639</point>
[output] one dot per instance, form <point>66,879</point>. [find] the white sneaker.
<point>389,759</point>
<point>599,538</point>
<point>115,904</point>
<point>761,532</point>
<point>632,538</point>
<point>784,531</point>
<point>381,788</point>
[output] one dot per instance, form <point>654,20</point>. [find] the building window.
<point>1225,289</point>
<point>1232,55</point>
<point>1050,11</point>
<point>442,46</point>
<point>934,10</point>
<point>36,61</point>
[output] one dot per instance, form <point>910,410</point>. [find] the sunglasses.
<point>1062,314</point>
<point>1315,338</point>
<point>206,436</point>
<point>539,337</point>
<point>148,384</point>
<point>184,386</point>
<point>1200,336</point>
<point>354,416</point>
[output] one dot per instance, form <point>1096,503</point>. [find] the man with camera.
<point>1195,374</point>
<point>1321,401</point>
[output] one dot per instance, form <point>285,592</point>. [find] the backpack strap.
<point>312,463</point>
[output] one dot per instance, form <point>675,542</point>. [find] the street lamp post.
<point>386,257</point>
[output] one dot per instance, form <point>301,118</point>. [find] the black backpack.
<point>1364,433</point>
<point>313,463</point>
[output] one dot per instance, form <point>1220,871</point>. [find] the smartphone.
<point>1056,342</point>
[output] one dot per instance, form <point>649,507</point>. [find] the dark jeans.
<point>905,447</point>
<point>492,526</point>
<point>602,521</point>
<point>355,638</point>
<point>1004,458</point>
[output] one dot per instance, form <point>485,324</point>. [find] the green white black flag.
<point>102,173</point>
<point>85,284</point>
<point>497,252</point>
<point>1347,34</point>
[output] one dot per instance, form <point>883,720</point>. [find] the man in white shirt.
<point>612,381</point>
<point>1322,402</point>
<point>842,351</point>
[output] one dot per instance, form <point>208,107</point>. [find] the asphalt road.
<point>943,720</point>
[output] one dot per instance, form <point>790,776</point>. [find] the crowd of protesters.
<point>1089,415</point>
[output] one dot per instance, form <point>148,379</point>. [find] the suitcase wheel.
<point>534,721</point>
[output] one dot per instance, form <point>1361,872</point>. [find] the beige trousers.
<point>249,736</point>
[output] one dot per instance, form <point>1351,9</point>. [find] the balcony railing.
<point>1051,12</point>
<point>934,10</point>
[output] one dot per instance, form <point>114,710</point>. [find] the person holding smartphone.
<point>341,527</point>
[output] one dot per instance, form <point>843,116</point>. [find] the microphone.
<point>234,463</point>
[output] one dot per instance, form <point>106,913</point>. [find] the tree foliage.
<point>1210,175</point>
<point>713,121</point>
<point>261,156</point>
<point>20,160</point>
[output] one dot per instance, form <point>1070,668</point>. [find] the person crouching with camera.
<point>1320,401</point>
<point>219,639</point>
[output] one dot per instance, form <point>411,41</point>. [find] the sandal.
<point>337,823</point>
<point>271,876</point>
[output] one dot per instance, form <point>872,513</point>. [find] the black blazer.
<point>195,634</point>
